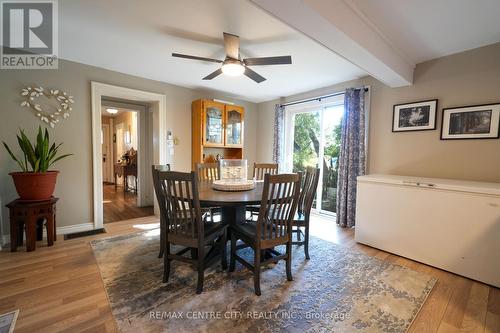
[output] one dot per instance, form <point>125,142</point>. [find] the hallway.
<point>119,206</point>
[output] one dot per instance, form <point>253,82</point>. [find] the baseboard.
<point>67,229</point>
<point>74,228</point>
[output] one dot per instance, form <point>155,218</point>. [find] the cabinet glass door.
<point>214,125</point>
<point>234,126</point>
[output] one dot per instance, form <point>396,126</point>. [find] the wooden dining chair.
<point>159,197</point>
<point>302,217</point>
<point>207,171</point>
<point>261,169</point>
<point>185,226</point>
<point>280,196</point>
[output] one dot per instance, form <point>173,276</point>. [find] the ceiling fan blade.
<point>232,45</point>
<point>254,76</point>
<point>213,74</point>
<point>282,60</point>
<point>186,56</point>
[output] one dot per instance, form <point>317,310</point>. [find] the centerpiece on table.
<point>233,176</point>
<point>35,182</point>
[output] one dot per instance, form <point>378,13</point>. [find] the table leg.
<point>233,214</point>
<point>55,224</point>
<point>50,230</point>
<point>39,229</point>
<point>30,233</point>
<point>14,229</point>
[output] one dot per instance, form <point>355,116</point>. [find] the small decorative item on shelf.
<point>233,176</point>
<point>35,181</point>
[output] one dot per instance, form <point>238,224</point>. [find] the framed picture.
<point>471,122</point>
<point>416,116</point>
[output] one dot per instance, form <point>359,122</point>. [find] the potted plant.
<point>35,181</point>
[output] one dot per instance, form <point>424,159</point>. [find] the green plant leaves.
<point>21,165</point>
<point>41,156</point>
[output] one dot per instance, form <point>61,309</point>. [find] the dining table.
<point>232,203</point>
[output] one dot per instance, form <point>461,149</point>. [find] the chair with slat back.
<point>273,227</point>
<point>306,200</point>
<point>260,169</point>
<point>159,197</point>
<point>207,171</point>
<point>185,225</point>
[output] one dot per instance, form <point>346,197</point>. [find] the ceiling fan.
<point>233,65</point>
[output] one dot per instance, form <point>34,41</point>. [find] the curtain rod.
<point>319,98</point>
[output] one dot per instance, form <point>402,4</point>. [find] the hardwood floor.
<point>119,206</point>
<point>59,289</point>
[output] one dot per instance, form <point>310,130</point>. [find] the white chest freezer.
<point>450,224</point>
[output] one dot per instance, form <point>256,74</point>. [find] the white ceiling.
<point>137,37</point>
<point>428,29</point>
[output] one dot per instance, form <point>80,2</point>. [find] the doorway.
<point>152,120</point>
<point>314,132</point>
<point>121,147</point>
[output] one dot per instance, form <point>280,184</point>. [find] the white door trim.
<point>98,90</point>
<point>109,154</point>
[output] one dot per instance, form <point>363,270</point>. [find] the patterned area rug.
<point>338,290</point>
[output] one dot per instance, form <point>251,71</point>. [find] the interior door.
<point>120,146</point>
<point>107,158</point>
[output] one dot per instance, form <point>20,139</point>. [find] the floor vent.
<point>84,233</point>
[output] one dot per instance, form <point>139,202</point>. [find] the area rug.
<point>337,290</point>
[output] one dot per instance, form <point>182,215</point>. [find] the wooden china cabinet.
<point>217,131</point>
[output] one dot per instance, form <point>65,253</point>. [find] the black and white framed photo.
<point>471,122</point>
<point>416,116</point>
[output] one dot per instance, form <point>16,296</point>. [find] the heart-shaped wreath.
<point>61,109</point>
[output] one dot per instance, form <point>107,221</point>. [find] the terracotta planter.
<point>35,186</point>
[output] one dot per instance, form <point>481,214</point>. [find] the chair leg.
<point>299,234</point>
<point>289,261</point>
<point>232,262</point>
<point>166,263</point>
<point>201,269</point>
<point>224,250</point>
<point>162,239</point>
<point>256,272</point>
<point>306,242</point>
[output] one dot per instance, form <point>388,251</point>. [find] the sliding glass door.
<point>313,139</point>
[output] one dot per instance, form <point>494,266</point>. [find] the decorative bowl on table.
<point>233,186</point>
<point>233,176</point>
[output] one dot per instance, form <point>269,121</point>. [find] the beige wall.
<point>467,78</point>
<point>74,185</point>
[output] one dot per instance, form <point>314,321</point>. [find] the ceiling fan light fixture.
<point>233,68</point>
